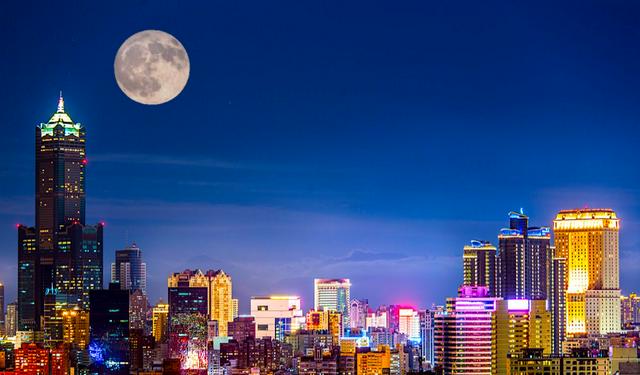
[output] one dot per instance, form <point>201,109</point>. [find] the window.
<point>263,327</point>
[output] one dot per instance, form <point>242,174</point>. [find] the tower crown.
<point>60,118</point>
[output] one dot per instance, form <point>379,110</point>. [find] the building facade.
<point>588,240</point>
<point>276,316</point>
<point>479,265</point>
<point>333,294</point>
<point>128,270</point>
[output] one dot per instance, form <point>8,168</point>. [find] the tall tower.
<point>524,258</point>
<point>60,259</point>
<point>557,302</point>
<point>588,240</point>
<point>129,270</point>
<point>333,294</point>
<point>479,259</point>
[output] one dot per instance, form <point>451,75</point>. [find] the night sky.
<point>369,140</point>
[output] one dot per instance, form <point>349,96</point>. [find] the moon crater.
<point>151,67</point>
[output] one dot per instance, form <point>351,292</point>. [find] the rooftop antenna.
<point>60,103</point>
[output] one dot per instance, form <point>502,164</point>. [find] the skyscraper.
<point>160,321</point>
<point>333,294</point>
<point>129,270</point>
<point>479,259</point>
<point>524,256</point>
<point>11,319</point>
<point>464,341</point>
<point>218,293</point>
<point>60,260</point>
<point>588,240</point>
<point>557,302</point>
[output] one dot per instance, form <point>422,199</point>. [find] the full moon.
<point>151,67</point>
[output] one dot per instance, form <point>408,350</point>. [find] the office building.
<point>11,319</point>
<point>109,330</point>
<point>534,362</point>
<point>588,240</point>
<point>281,313</point>
<point>520,324</point>
<point>557,303</point>
<point>129,270</point>
<point>479,265</point>
<point>426,337</point>
<point>464,340</point>
<point>218,298</point>
<point>138,310</point>
<point>409,323</point>
<point>524,255</point>
<point>61,257</point>
<point>358,313</point>
<point>333,294</point>
<point>630,311</point>
<point>75,327</point>
<point>160,322</point>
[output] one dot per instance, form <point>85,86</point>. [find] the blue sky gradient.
<point>369,140</point>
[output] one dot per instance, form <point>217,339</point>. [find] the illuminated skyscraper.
<point>61,258</point>
<point>480,265</point>
<point>129,270</point>
<point>524,256</point>
<point>160,319</point>
<point>218,298</point>
<point>520,324</point>
<point>333,294</point>
<point>409,323</point>
<point>464,341</point>
<point>588,240</point>
<point>557,302</point>
<point>276,313</point>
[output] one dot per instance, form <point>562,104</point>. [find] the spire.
<point>60,103</point>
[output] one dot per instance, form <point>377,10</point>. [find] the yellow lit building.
<point>588,240</point>
<point>330,321</point>
<point>75,326</point>
<point>160,324</point>
<point>219,292</point>
<point>374,362</point>
<point>520,324</point>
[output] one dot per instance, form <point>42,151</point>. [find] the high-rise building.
<point>160,322</point>
<point>235,308</point>
<point>359,310</point>
<point>333,294</point>
<point>524,256</point>
<point>138,310</point>
<point>630,310</point>
<point>33,359</point>
<point>218,297</point>
<point>272,313</point>
<point>409,323</point>
<point>426,337</point>
<point>369,362</point>
<point>588,240</point>
<point>61,258</point>
<point>129,270</point>
<point>520,324</point>
<point>464,341</point>
<point>479,266</point>
<point>75,327</point>
<point>557,302</point>
<point>11,319</point>
<point>109,330</point>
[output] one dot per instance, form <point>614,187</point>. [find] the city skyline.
<point>348,183</point>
